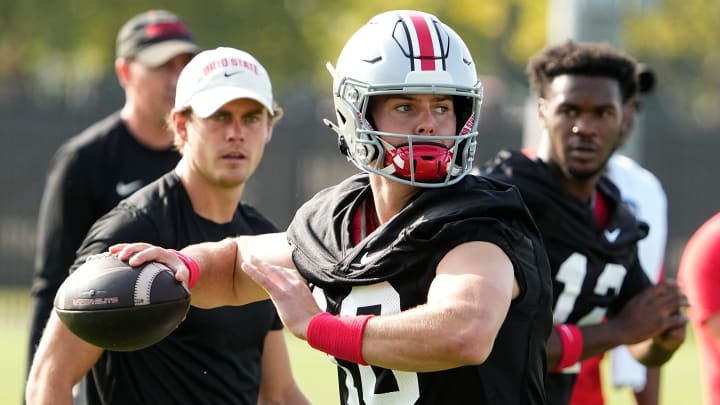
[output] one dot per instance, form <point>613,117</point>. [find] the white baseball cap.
<point>217,76</point>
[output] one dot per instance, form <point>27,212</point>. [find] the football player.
<point>698,275</point>
<point>590,235</point>
<point>423,284</point>
<point>643,193</point>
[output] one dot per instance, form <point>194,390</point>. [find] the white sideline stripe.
<point>144,283</point>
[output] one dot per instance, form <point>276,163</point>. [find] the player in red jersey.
<point>699,276</point>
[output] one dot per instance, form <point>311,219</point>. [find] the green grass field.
<point>314,372</point>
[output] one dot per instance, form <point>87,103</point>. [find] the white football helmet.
<point>407,52</point>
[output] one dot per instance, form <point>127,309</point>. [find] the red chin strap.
<point>431,161</point>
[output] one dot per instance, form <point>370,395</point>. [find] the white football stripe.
<point>434,42</point>
<point>144,283</point>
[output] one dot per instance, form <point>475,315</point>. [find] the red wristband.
<point>338,336</point>
<point>572,345</point>
<point>191,265</point>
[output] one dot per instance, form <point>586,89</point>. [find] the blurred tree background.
<point>59,51</point>
<point>56,77</point>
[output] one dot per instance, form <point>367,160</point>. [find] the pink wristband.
<point>191,265</point>
<point>338,336</point>
<point>572,345</point>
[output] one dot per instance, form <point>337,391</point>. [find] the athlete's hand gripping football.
<point>138,253</point>
<point>289,292</point>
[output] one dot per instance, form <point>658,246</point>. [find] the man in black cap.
<point>114,157</point>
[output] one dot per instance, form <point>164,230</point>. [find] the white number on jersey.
<point>572,273</point>
<point>378,299</point>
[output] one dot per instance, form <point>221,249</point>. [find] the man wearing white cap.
<point>223,118</point>
<point>112,158</point>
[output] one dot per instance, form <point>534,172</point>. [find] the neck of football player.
<point>210,200</point>
<point>148,129</point>
<point>390,196</point>
<point>581,188</point>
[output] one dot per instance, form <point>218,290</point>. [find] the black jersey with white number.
<point>392,268</point>
<point>214,356</point>
<point>595,272</point>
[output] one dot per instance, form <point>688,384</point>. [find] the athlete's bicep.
<point>484,262</point>
<point>475,283</point>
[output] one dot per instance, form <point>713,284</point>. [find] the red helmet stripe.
<point>425,42</point>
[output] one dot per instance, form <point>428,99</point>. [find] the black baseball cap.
<point>154,37</point>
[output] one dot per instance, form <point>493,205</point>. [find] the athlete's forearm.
<point>468,301</point>
<point>62,359</point>
<point>653,353</point>
<point>220,281</point>
<point>425,339</point>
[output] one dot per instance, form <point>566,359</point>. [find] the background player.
<point>644,195</point>
<point>589,235</point>
<point>114,157</point>
<point>436,283</point>
<point>222,120</point>
<point>699,276</point>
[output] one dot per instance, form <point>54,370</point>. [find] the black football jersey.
<point>595,271</point>
<point>391,271</point>
<point>214,356</point>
